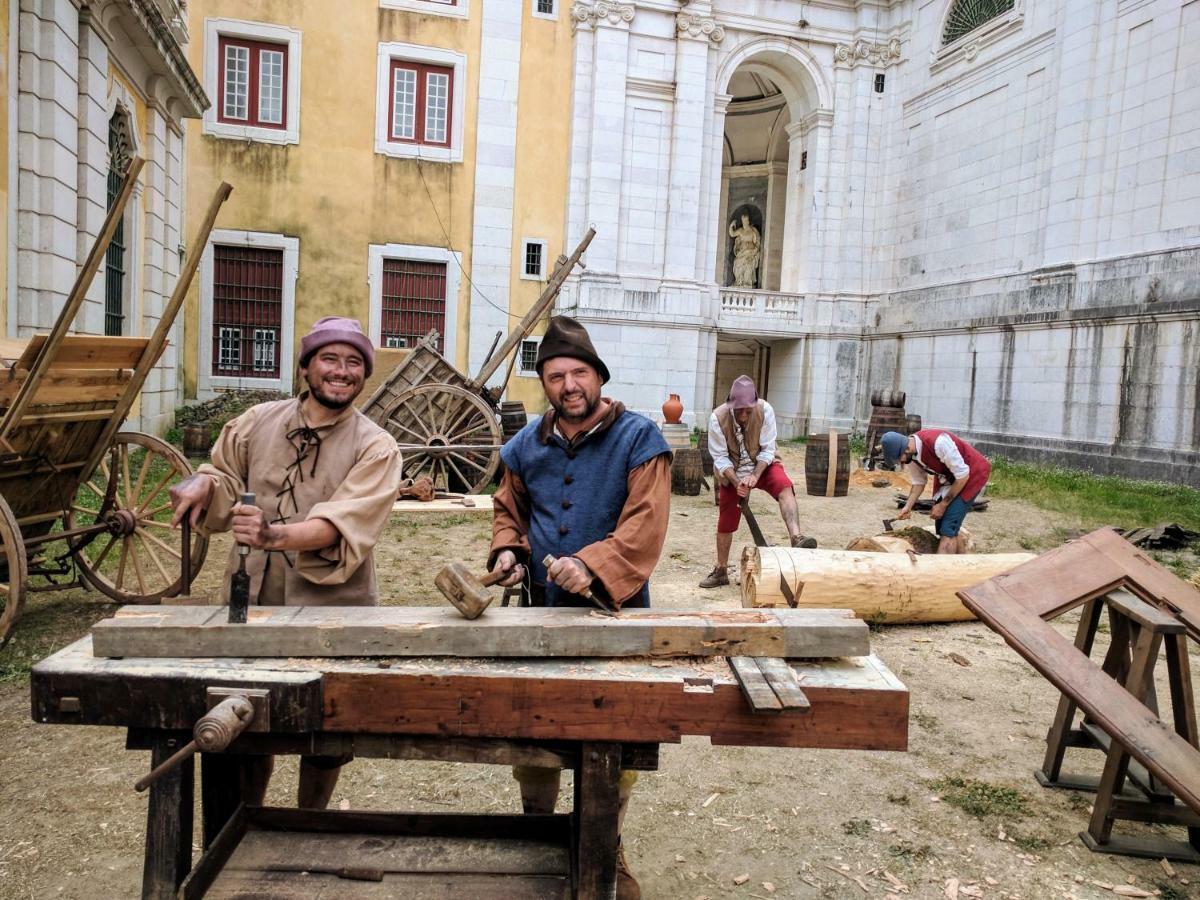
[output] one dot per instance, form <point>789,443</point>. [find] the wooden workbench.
<point>593,715</point>
<point>480,503</point>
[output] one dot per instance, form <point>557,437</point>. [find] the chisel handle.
<point>248,499</point>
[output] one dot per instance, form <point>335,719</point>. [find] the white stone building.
<point>993,205</point>
<point>94,82</point>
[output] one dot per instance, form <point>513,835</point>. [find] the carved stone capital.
<point>867,53</point>
<point>697,26</point>
<point>603,12</point>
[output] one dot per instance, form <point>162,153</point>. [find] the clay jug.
<point>672,410</point>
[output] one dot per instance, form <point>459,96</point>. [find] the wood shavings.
<point>850,877</point>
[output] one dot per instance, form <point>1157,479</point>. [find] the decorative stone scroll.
<point>695,25</point>
<point>589,15</point>
<point>867,53</point>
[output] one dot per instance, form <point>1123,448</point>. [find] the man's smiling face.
<point>335,375</point>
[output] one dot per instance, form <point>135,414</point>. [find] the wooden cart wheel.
<point>13,572</point>
<point>448,433</point>
<point>139,559</point>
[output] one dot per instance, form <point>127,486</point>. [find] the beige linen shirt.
<point>346,472</point>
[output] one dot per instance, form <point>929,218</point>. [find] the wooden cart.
<point>82,502</point>
<point>447,425</point>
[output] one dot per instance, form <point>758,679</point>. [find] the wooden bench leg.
<point>1056,739</point>
<point>168,823</point>
<point>1183,702</point>
<point>221,790</point>
<point>597,802</point>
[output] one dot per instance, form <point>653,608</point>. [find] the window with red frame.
<point>247,313</point>
<point>414,301</point>
<point>421,103</point>
<point>252,86</point>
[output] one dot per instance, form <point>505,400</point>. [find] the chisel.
<point>239,585</point>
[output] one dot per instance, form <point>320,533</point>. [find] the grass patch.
<point>49,622</point>
<point>1031,843</point>
<point>908,853</point>
<point>980,799</point>
<point>1168,891</point>
<point>857,827</point>
<point>1097,499</point>
<point>898,799</point>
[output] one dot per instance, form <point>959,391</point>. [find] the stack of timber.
<point>891,588</point>
<point>182,632</point>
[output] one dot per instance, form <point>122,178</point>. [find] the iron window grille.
<point>967,15</point>
<point>413,301</point>
<point>529,352</point>
<point>534,255</point>
<point>114,257</point>
<point>247,311</point>
<point>545,7</point>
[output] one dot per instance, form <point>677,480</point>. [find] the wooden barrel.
<point>512,419</point>
<point>816,465</point>
<point>888,398</point>
<point>706,461</point>
<point>197,440</point>
<point>912,423</point>
<point>687,472</point>
<point>884,418</point>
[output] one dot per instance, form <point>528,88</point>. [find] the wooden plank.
<point>87,351</point>
<point>1068,576</point>
<point>181,631</point>
<point>480,503</point>
<point>856,703</point>
<point>410,886</point>
<point>782,679</point>
<point>70,386</point>
<point>1147,738</point>
<point>758,693</point>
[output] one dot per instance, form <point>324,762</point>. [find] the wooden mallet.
<point>468,593</point>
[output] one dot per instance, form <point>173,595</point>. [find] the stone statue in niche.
<point>747,252</point>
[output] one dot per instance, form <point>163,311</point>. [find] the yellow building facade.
<point>402,162</point>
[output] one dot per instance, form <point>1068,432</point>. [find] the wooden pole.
<point>159,339</point>
<point>519,333</point>
<point>831,475</point>
<point>83,281</point>
<point>879,587</point>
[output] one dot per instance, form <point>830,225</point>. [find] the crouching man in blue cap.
<point>960,472</point>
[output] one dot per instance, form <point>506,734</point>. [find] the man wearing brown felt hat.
<point>588,483</point>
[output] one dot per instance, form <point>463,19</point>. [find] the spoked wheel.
<point>13,572</point>
<point>448,433</point>
<point>138,559</point>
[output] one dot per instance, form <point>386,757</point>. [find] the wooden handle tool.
<point>601,605</point>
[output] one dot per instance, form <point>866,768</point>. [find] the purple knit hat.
<point>337,330</point>
<point>743,393</point>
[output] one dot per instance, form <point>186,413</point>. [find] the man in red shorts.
<point>741,439</point>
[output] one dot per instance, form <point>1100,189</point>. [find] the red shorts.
<point>773,480</point>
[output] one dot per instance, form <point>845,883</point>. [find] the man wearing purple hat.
<point>741,440</point>
<point>325,477</point>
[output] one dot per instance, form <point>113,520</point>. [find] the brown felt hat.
<point>566,337</point>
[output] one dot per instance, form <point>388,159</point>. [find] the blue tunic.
<point>577,492</point>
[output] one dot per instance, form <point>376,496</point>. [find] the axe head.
<point>887,524</point>
<point>468,594</point>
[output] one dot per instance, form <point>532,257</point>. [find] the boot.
<point>718,577</point>
<point>799,540</point>
<point>627,886</point>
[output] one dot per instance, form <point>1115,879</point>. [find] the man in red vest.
<point>960,473</point>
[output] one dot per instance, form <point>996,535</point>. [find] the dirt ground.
<point>795,823</point>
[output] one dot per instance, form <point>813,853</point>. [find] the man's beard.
<point>563,415</point>
<point>329,402</point>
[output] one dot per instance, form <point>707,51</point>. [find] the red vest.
<point>980,468</point>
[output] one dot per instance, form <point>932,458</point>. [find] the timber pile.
<point>311,631</point>
<point>880,587</point>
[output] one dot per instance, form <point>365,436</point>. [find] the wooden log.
<point>878,587</point>
<point>284,632</point>
<point>923,540</point>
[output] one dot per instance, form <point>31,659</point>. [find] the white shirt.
<point>946,450</point>
<point>719,449</point>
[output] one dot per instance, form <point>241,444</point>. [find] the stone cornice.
<point>871,53</point>
<point>698,26</point>
<point>602,12</point>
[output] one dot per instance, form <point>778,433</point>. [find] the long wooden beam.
<point>330,632</point>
